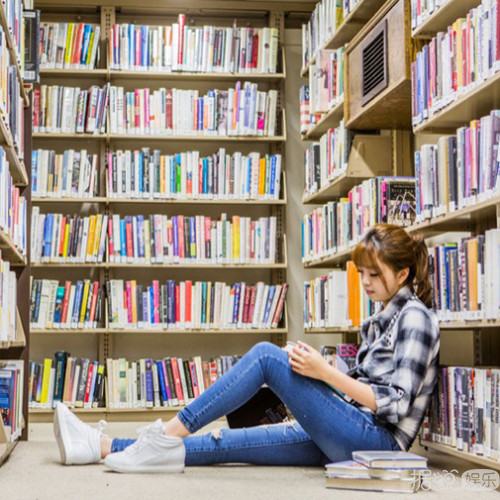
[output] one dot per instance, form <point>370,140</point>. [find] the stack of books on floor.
<point>389,471</point>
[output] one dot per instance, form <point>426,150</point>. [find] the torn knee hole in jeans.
<point>216,434</point>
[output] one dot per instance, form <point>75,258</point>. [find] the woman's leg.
<point>277,444</point>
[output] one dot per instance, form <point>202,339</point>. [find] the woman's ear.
<point>403,275</point>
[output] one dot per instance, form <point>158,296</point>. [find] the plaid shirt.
<point>398,358</point>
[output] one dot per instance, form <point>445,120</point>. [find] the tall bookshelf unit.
<point>474,219</point>
<point>107,342</point>
<point>19,169</point>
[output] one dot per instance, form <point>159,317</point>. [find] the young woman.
<point>386,393</point>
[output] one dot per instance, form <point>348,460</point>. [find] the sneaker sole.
<point>61,434</point>
<point>147,469</point>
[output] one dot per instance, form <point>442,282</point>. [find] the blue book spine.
<point>175,232</point>
<point>273,175</point>
<point>200,113</point>
<point>171,302</point>
<point>58,305</point>
<point>151,305</point>
<point>144,46</point>
<point>140,181</point>
<point>37,301</point>
<point>140,229</point>
<point>165,378</point>
<point>272,289</point>
<point>192,236</point>
<point>161,378</point>
<point>86,41</point>
<point>249,176</point>
<point>78,299</point>
<point>131,45</point>
<point>205,175</point>
<point>237,289</point>
<point>34,169</point>
<point>123,240</point>
<point>144,298</point>
<point>49,223</point>
<point>149,382</point>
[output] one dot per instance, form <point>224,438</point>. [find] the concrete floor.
<point>33,472</point>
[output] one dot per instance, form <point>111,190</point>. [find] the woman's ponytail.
<point>421,282</point>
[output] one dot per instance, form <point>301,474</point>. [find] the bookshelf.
<point>113,342</point>
<point>330,120</point>
<point>16,349</point>
<point>479,213</point>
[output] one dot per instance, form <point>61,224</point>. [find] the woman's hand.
<point>307,361</point>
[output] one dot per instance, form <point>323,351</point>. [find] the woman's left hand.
<point>307,361</point>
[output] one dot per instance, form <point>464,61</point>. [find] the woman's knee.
<point>263,349</point>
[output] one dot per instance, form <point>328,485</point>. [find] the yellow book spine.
<point>133,291</point>
<point>66,240</point>
<point>85,296</point>
<point>262,177</point>
<point>457,27</point>
<point>162,175</point>
<point>97,238</point>
<point>91,46</point>
<point>236,237</point>
<point>90,241</point>
<point>69,44</point>
<point>47,365</point>
<point>209,302</point>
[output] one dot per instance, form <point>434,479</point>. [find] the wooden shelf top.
<point>459,220</point>
<point>330,120</point>
<point>487,462</point>
<point>211,331</point>
<point>9,251</point>
<point>337,188</point>
<point>444,16</point>
<point>14,53</point>
<point>349,27</point>
<point>472,105</point>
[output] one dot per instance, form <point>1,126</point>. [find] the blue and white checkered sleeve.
<point>415,343</point>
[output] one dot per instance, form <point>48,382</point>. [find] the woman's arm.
<point>310,363</point>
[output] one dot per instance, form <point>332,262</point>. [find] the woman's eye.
<point>373,275</point>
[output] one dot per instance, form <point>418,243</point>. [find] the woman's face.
<point>375,287</point>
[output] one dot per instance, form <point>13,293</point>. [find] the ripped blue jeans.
<point>327,428</point>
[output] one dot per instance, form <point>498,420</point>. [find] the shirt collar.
<point>384,317</point>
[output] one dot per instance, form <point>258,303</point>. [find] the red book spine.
<point>180,54</point>
<point>208,238</point>
<point>280,305</point>
<point>128,236</point>
<point>252,303</point>
<point>177,304</point>
<point>36,106</point>
<point>77,47</point>
<point>177,380</point>
<point>93,304</point>
<point>246,304</point>
<point>252,240</point>
<point>200,177</point>
<point>89,383</point>
<point>137,110</point>
<point>168,110</point>
<point>255,51</point>
<point>67,291</point>
<point>188,301</point>
<point>213,372</point>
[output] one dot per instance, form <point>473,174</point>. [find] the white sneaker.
<point>78,442</point>
<point>152,452</point>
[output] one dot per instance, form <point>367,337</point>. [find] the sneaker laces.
<point>146,434</point>
<point>101,425</point>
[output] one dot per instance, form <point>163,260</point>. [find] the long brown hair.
<point>393,246</point>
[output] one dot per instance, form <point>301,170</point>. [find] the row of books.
<point>70,305</point>
<point>120,383</point>
<point>184,306</point>
<point>72,174</point>
<point>327,159</point>
<point>69,45</point>
<point>456,61</point>
<point>326,80</point>
<point>325,20</point>
<point>146,174</point>
<point>68,238</point>
<point>206,49</point>
<point>160,239</point>
<point>466,278</point>
<point>11,397</point>
<point>460,169</point>
<point>199,305</point>
<point>12,207</point>
<point>421,10</point>
<point>8,302</point>
<point>336,300</point>
<point>61,109</point>
<point>152,239</point>
<point>464,411</point>
<point>338,225</point>
<point>14,16</point>
<point>243,110</point>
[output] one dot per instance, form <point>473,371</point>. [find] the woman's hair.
<point>393,246</point>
